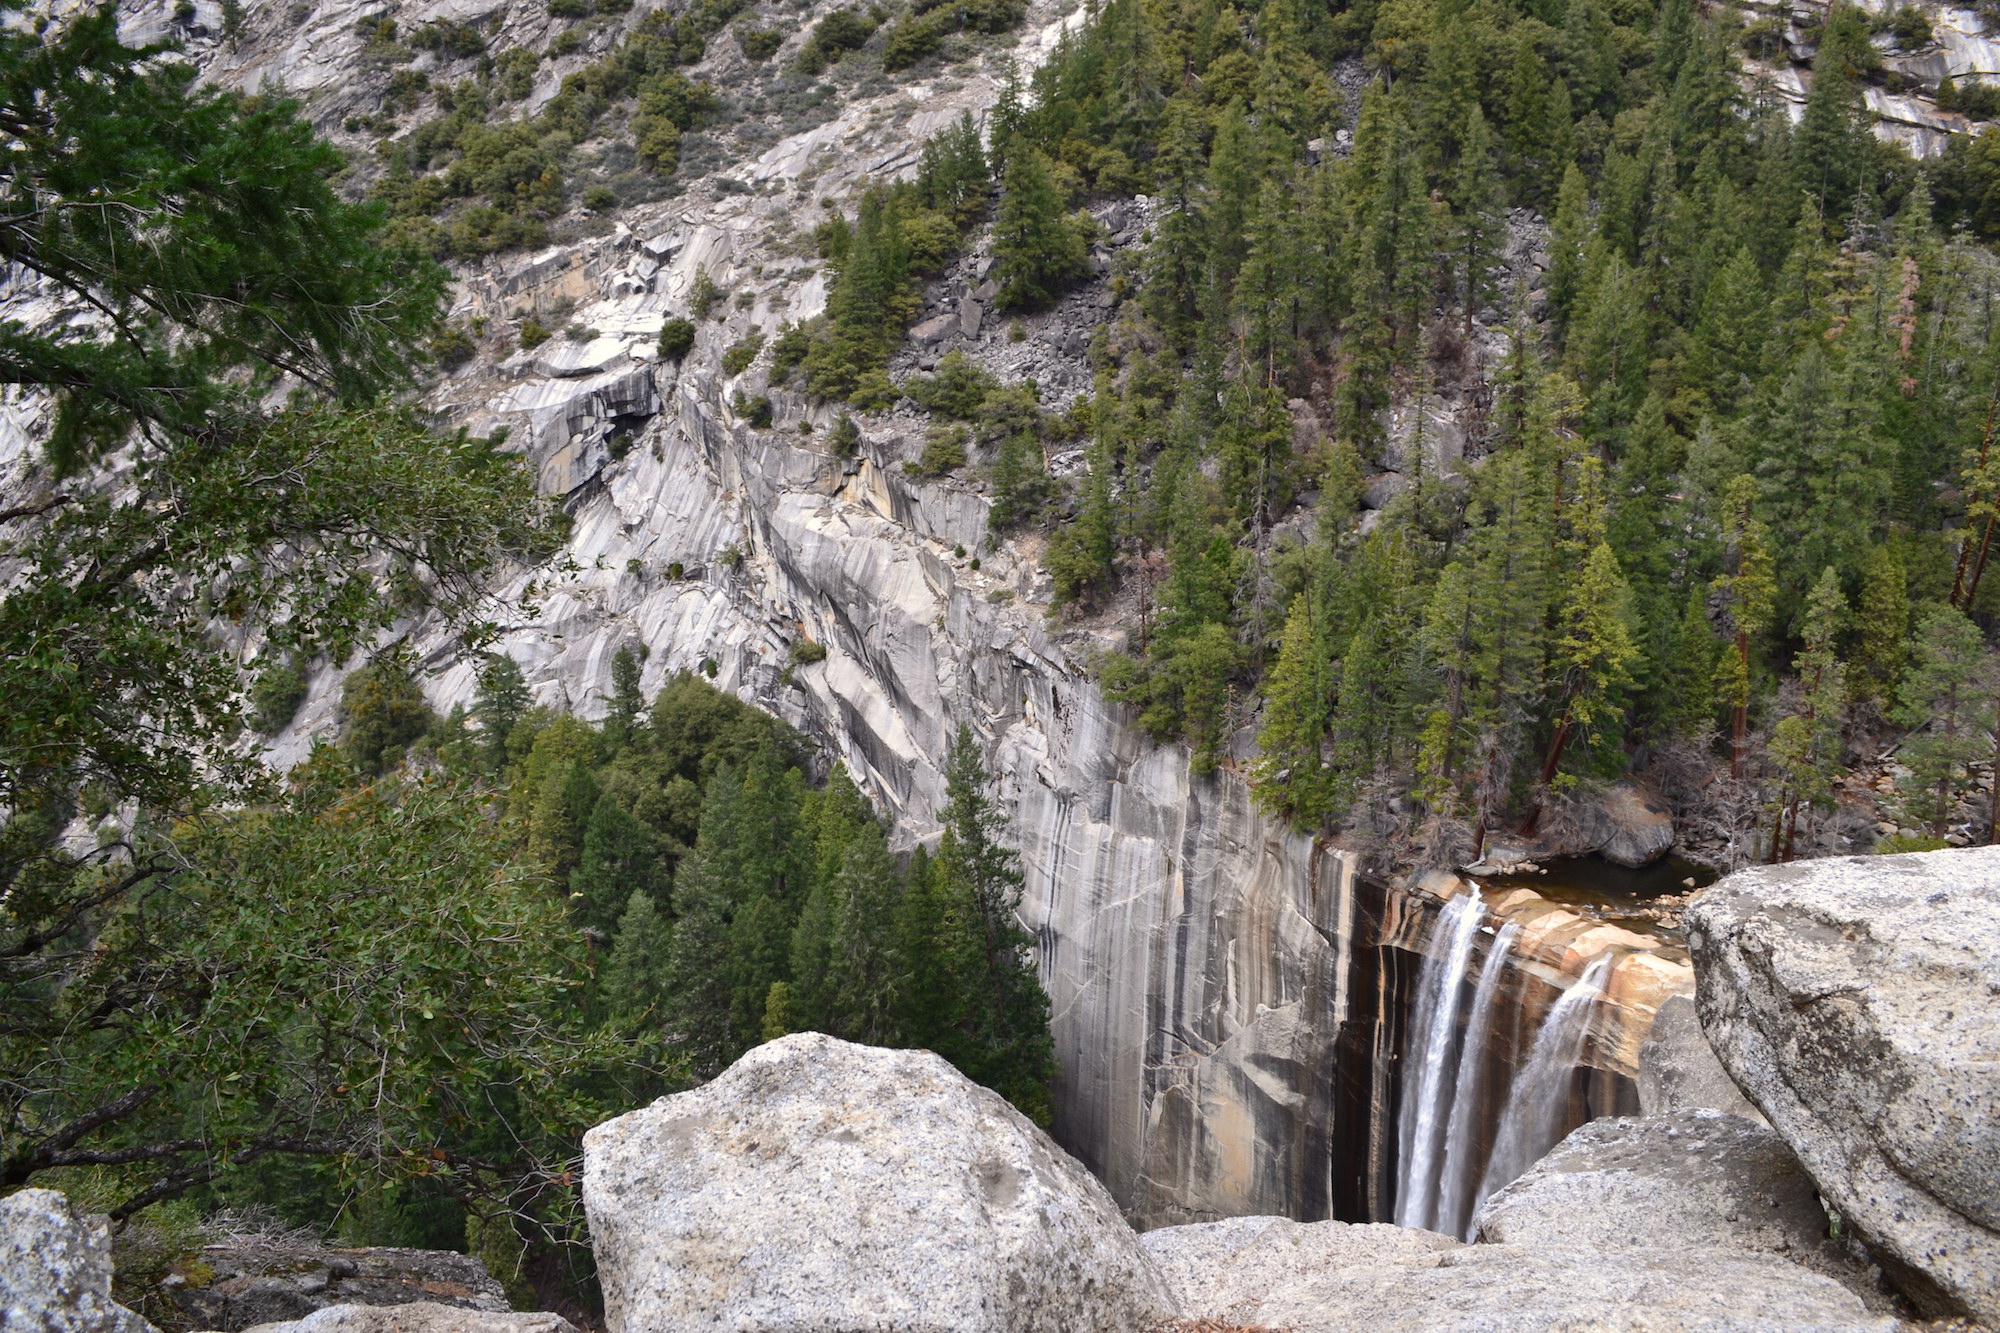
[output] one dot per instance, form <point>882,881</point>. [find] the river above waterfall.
<point>1648,897</point>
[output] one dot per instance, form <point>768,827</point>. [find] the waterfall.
<point>1460,1176</point>
<point>1537,1104</point>
<point>1433,1057</point>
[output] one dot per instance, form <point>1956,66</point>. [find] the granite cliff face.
<point>1229,997</point>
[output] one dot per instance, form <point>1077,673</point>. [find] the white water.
<point>1537,1104</point>
<point>1434,1055</point>
<point>1460,1176</point>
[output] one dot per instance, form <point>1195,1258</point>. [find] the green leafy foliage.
<point>676,338</point>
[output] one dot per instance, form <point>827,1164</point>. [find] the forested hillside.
<point>1722,505</point>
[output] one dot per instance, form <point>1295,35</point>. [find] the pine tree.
<point>1823,490</point>
<point>620,857</point>
<point>626,701</point>
<point>1805,745</point>
<point>1176,260</point>
<point>862,963</point>
<point>501,701</point>
<point>1290,776</point>
<point>1589,57</point>
<point>1593,654</point>
<point>1733,331</point>
<point>1036,250</point>
<point>1687,708</point>
<point>1947,699</point>
<point>1832,148</point>
<point>1748,592</point>
<point>928,1002</point>
<point>1476,232</point>
<point>635,974</point>
<point>1883,623</point>
<point>1009,1048</point>
<point>563,804</point>
<point>1569,235</point>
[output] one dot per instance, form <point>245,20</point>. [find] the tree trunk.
<point>1739,720</point>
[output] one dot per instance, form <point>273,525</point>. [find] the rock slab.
<point>1692,1180</point>
<point>1678,1070</point>
<point>1857,1002</point>
<point>55,1269</point>
<point>416,1317</point>
<point>1332,1277</point>
<point>260,1281</point>
<point>822,1187</point>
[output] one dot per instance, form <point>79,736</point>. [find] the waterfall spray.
<point>1433,1057</point>
<point>1537,1105</point>
<point>1460,1175</point>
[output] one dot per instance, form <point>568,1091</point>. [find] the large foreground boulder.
<point>55,1269</point>
<point>1857,1003</point>
<point>1331,1277</point>
<point>826,1187</point>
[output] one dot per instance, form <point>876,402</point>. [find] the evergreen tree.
<point>1832,150</point>
<point>1006,1044</point>
<point>1178,256</point>
<point>1290,775</point>
<point>1036,250</point>
<point>620,857</point>
<point>562,806</point>
<point>1947,699</point>
<point>1805,745</point>
<point>1883,622</point>
<point>1569,234</point>
<point>635,973</point>
<point>1475,230</point>
<point>862,963</point>
<point>501,701</point>
<point>1593,653</point>
<point>626,701</point>
<point>1748,591</point>
<point>1589,55</point>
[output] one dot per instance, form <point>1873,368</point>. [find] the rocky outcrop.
<point>1330,1277</point>
<point>419,1317</point>
<point>818,1185</point>
<point>1678,1070</point>
<point>1626,825</point>
<point>55,1269</point>
<point>1857,1004</point>
<point>250,1283</point>
<point>1695,1180</point>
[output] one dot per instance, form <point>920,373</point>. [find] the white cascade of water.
<point>1460,1176</point>
<point>1433,1058</point>
<point>1534,1120</point>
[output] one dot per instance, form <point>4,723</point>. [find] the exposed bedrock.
<point>55,1269</point>
<point>1332,1277</point>
<point>1694,1180</point>
<point>818,1185</point>
<point>1857,1004</point>
<point>416,1317</point>
<point>268,1280</point>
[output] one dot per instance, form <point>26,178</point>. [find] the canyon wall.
<point>1227,995</point>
